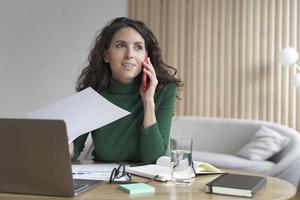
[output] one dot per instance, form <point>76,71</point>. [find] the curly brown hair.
<point>96,74</point>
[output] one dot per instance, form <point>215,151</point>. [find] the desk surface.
<point>275,189</point>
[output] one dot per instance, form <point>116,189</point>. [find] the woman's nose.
<point>129,56</point>
<point>129,53</point>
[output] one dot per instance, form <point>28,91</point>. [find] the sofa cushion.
<point>264,144</point>
<point>228,161</point>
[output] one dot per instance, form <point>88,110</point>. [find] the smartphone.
<point>145,77</point>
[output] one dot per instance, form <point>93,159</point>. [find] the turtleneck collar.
<point>124,88</point>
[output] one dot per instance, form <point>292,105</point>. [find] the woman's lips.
<point>128,65</point>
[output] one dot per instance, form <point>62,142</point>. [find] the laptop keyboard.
<point>79,186</point>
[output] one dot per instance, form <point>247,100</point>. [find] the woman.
<point>123,51</point>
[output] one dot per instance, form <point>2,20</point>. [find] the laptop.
<point>35,159</point>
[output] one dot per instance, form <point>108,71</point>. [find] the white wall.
<point>43,47</point>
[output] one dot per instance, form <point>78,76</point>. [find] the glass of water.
<point>181,160</point>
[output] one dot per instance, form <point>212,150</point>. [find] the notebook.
<point>236,185</point>
<point>35,159</point>
<point>161,171</point>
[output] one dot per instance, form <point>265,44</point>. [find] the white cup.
<point>181,160</point>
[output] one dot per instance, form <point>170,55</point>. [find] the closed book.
<point>236,185</point>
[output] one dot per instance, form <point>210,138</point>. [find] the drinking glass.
<point>181,160</point>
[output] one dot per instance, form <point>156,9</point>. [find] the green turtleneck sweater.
<point>125,140</point>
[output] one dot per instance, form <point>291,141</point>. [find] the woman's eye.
<point>139,47</point>
<point>120,45</point>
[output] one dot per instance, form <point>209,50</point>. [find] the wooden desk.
<point>275,189</point>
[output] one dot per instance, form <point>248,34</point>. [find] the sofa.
<point>217,141</point>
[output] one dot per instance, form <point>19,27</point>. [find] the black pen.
<point>152,179</point>
<point>80,173</point>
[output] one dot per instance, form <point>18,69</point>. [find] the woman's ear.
<point>105,57</point>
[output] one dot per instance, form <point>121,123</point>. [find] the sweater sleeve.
<point>79,145</point>
<point>154,140</point>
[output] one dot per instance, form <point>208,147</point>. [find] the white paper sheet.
<point>82,112</point>
<point>94,171</point>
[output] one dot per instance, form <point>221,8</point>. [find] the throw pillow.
<point>263,145</point>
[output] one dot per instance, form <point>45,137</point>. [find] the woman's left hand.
<point>152,82</point>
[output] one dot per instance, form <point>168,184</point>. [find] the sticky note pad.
<point>137,188</point>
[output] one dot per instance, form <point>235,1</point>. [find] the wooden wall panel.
<point>227,54</point>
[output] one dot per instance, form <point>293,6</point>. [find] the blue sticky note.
<point>137,188</point>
